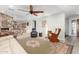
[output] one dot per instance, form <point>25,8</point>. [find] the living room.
<point>28,26</point>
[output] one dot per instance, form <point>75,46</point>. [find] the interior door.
<point>74,27</point>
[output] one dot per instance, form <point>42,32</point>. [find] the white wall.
<point>31,25</point>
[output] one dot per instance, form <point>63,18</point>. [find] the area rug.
<point>45,47</point>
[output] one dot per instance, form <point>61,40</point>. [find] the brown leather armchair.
<point>53,37</point>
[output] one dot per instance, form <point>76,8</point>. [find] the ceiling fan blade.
<point>35,14</point>
<point>37,11</point>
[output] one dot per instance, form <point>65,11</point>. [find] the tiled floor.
<point>75,42</point>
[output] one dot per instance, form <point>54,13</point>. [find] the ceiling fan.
<point>31,11</point>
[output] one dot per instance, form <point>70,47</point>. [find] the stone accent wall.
<point>5,21</point>
<point>14,26</point>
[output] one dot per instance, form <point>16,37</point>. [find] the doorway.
<point>77,27</point>
<point>74,27</point>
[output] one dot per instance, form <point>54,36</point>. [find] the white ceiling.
<point>69,10</point>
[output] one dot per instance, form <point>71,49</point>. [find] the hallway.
<point>75,42</point>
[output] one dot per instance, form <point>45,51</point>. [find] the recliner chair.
<point>53,37</point>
